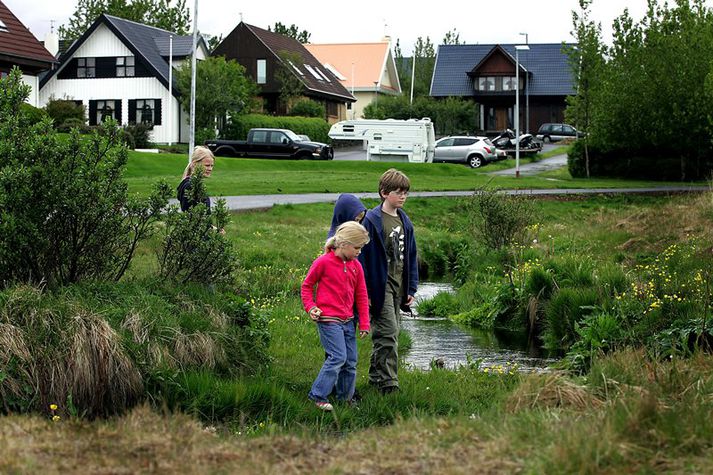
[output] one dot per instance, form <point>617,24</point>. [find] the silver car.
<point>474,151</point>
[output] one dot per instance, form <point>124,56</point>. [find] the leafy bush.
<point>204,135</point>
<point>498,219</point>
<point>66,214</point>
<point>100,348</point>
<point>74,123</point>
<point>32,115</point>
<point>316,129</point>
<point>137,135</point>
<point>62,110</point>
<point>308,108</point>
<point>193,246</point>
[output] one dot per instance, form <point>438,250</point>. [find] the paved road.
<point>529,169</point>
<point>253,202</point>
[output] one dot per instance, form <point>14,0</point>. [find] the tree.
<point>291,87</point>
<point>586,60</point>
<point>425,56</point>
<point>452,37</point>
<point>222,90</point>
<point>158,13</point>
<point>292,31</point>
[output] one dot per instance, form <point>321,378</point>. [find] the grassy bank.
<point>629,413</point>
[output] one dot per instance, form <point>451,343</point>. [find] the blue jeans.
<point>339,342</point>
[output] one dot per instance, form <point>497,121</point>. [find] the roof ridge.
<point>144,25</point>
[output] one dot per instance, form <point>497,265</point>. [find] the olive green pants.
<point>383,370</point>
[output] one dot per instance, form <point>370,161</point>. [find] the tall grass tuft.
<point>97,349</point>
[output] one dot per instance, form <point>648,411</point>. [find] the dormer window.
<point>3,27</point>
<point>497,83</point>
<point>86,68</point>
<point>125,66</point>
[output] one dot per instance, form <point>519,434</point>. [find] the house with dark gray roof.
<point>486,74</point>
<point>262,52</point>
<point>19,47</point>
<point>121,69</point>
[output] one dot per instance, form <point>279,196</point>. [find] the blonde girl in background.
<point>338,278</point>
<point>202,158</point>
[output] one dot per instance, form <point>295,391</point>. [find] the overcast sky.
<point>477,21</point>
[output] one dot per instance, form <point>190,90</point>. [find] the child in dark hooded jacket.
<point>347,208</point>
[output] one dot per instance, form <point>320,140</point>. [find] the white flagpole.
<point>169,122</point>
<point>192,135</point>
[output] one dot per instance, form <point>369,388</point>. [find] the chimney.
<point>52,43</point>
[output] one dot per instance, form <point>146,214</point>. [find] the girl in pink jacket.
<point>339,281</point>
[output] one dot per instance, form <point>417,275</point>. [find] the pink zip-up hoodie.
<point>339,284</point>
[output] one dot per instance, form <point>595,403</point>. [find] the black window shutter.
<point>92,112</point>
<point>132,111</point>
<point>117,114</point>
<point>69,71</point>
<point>157,113</point>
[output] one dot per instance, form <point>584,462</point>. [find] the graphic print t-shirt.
<point>394,242</point>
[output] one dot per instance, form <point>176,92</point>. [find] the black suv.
<point>556,132</point>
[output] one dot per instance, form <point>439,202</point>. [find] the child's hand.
<point>363,333</point>
<point>315,313</point>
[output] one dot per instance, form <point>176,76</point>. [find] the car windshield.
<point>293,136</point>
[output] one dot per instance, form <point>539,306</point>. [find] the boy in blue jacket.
<point>391,272</point>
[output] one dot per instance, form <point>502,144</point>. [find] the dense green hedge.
<point>651,164</point>
<point>316,129</point>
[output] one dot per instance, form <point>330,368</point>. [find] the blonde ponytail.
<point>349,232</point>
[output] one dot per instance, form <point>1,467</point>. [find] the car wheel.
<point>474,161</point>
<point>546,139</point>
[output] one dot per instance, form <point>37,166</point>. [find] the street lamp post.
<point>517,107</point>
<point>527,93</point>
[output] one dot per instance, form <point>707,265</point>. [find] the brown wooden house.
<point>486,73</point>
<point>261,52</point>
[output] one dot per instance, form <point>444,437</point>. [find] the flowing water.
<point>453,345</point>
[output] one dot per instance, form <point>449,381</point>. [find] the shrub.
<point>32,115</point>
<point>193,247</point>
<point>442,305</point>
<point>66,213</point>
<point>137,135</point>
<point>204,135</point>
<point>498,219</point>
<point>74,123</point>
<point>62,110</point>
<point>308,108</point>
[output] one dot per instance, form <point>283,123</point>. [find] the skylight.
<point>313,72</point>
<point>339,75</point>
<point>295,68</point>
<point>323,74</point>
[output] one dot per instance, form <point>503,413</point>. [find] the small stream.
<point>453,345</point>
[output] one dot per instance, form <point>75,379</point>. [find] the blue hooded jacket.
<point>346,209</point>
<point>373,259</point>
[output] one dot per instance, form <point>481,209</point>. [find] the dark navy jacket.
<point>346,209</point>
<point>373,259</point>
<point>182,194</point>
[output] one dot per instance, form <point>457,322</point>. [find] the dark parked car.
<point>555,132</point>
<point>271,143</point>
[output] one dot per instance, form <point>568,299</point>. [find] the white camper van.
<point>390,140</point>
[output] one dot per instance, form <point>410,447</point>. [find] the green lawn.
<point>240,176</point>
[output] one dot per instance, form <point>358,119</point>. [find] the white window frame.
<point>261,68</point>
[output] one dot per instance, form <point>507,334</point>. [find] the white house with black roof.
<point>486,74</point>
<point>120,69</point>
